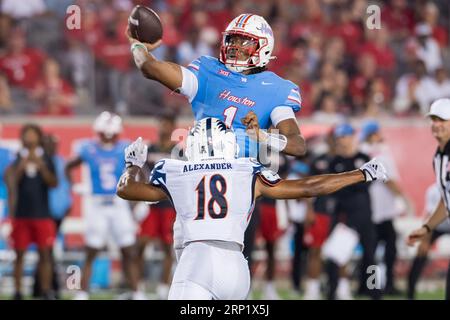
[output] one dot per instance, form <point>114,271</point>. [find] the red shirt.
<point>350,32</point>
<point>384,57</point>
<point>398,20</point>
<point>440,35</point>
<point>358,86</point>
<point>23,69</point>
<point>114,53</point>
<point>61,87</point>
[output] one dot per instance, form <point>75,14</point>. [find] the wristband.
<point>136,45</point>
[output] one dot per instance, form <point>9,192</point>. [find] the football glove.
<point>374,170</point>
<point>136,154</point>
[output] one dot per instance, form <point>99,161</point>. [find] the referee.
<point>440,128</point>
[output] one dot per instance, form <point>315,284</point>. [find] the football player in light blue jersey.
<point>106,214</point>
<point>235,88</point>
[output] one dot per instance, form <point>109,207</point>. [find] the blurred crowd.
<point>342,65</point>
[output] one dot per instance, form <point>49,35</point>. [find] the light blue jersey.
<point>105,165</point>
<point>229,96</point>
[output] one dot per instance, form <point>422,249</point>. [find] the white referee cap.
<point>440,108</point>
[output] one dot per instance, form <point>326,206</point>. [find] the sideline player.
<point>106,213</point>
<point>222,191</point>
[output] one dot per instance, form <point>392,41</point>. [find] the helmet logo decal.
<point>265,29</point>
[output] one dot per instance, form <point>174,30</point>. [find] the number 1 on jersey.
<point>230,114</point>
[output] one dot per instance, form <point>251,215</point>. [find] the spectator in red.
<point>21,64</point>
<point>366,71</point>
<point>398,18</point>
<point>171,36</point>
<point>377,44</point>
<point>55,95</point>
<point>310,22</point>
<point>113,52</point>
<point>348,28</point>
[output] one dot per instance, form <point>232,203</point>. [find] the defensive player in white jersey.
<point>214,195</point>
<point>106,215</point>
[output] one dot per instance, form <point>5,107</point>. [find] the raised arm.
<point>167,73</point>
<point>313,186</point>
<point>129,188</point>
<point>319,185</point>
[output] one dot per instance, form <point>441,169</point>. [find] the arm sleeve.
<point>189,86</point>
<point>281,113</point>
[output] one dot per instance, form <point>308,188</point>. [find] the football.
<point>145,25</point>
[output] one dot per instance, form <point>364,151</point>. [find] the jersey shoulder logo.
<point>158,176</point>
<point>224,73</point>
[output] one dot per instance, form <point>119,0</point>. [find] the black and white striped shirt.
<point>441,167</point>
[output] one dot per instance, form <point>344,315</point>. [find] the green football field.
<point>285,294</point>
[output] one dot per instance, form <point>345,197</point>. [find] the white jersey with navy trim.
<point>214,199</point>
<point>441,166</point>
